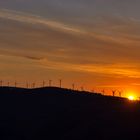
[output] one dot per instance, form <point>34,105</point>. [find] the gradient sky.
<point>93,43</point>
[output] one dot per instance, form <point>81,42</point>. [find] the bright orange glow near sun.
<point>131,95</point>
<point>131,98</point>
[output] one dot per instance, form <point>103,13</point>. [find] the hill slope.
<point>54,113</point>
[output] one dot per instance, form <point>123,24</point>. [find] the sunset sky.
<point>92,43</point>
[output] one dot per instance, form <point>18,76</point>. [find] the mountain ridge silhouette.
<point>63,114</point>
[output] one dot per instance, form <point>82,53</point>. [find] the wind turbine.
<point>93,91</point>
<point>43,83</point>
<point>15,84</point>
<point>73,86</point>
<point>8,84</point>
<point>120,93</point>
<point>1,83</point>
<point>50,83</point>
<point>103,92</point>
<point>60,83</point>
<point>27,85</point>
<point>82,88</point>
<point>113,92</point>
<point>33,85</point>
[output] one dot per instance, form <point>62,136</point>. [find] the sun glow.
<point>131,97</point>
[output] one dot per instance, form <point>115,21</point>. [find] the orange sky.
<point>98,53</point>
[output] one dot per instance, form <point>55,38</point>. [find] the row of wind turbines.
<point>50,84</point>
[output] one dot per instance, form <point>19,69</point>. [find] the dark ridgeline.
<point>60,114</point>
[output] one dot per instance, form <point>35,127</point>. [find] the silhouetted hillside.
<point>60,114</point>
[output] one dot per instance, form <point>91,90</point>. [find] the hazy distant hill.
<point>62,114</point>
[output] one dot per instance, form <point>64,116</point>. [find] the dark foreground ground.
<point>59,114</point>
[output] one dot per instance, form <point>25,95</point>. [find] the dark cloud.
<point>34,58</point>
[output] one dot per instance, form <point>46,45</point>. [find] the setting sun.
<point>131,98</point>
<point>131,94</point>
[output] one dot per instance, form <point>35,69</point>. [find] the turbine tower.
<point>8,84</point>
<point>27,85</point>
<point>103,92</point>
<point>93,91</point>
<point>73,86</point>
<point>15,84</point>
<point>120,93</point>
<point>33,85</point>
<point>43,83</point>
<point>113,92</point>
<point>50,83</point>
<point>1,83</point>
<point>60,83</point>
<point>82,88</point>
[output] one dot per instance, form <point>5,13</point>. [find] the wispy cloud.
<point>33,19</point>
<point>122,31</point>
<point>104,50</point>
<point>31,56</point>
<point>114,70</point>
<point>135,84</point>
